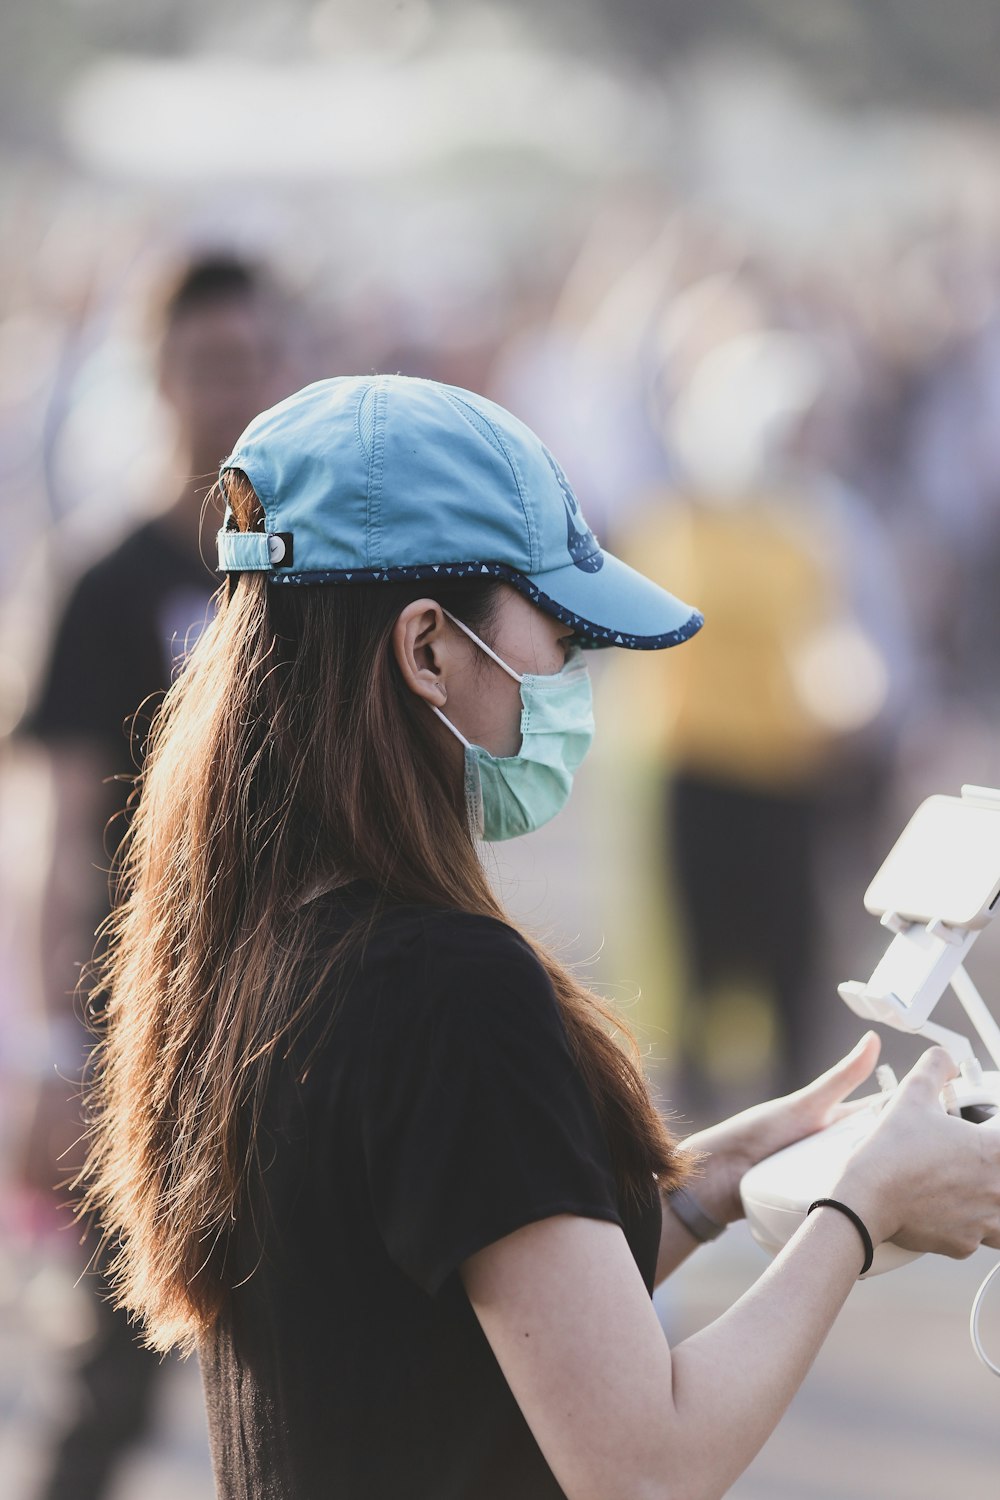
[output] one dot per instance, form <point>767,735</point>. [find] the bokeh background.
<point>739,265</point>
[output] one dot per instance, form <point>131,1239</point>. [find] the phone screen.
<point>945,864</point>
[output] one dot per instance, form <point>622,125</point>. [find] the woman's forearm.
<point>735,1378</point>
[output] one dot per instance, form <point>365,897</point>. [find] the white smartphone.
<point>945,864</point>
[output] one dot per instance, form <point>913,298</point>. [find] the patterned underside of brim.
<point>591,634</point>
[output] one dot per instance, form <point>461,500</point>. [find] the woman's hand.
<point>732,1147</point>
<point>925,1179</point>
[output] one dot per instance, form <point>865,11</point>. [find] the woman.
<point>375,1154</point>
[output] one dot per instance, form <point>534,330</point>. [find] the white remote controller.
<point>935,893</point>
<point>777,1192</point>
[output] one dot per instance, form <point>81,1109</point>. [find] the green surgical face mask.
<point>507,795</point>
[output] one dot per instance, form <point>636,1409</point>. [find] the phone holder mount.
<point>921,962</point>
<point>925,957</point>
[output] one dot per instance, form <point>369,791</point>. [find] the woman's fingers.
<point>847,1074</point>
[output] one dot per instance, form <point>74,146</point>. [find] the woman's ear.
<point>420,646</point>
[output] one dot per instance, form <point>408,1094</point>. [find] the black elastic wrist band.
<point>858,1223</point>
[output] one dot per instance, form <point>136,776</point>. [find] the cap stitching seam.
<point>366,390</point>
<point>376,465</point>
<point>463,407</point>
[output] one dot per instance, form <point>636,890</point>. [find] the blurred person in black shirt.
<point>123,629</point>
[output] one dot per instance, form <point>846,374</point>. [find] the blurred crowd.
<point>807,446</point>
<point>631,346</point>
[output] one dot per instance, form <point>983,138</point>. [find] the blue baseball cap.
<point>385,477</point>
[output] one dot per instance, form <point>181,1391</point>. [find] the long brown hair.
<point>288,753</point>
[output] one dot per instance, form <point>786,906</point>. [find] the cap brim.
<point>615,606</point>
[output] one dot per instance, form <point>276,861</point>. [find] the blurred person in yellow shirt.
<point>789,696</point>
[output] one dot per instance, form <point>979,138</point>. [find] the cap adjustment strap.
<point>252,551</point>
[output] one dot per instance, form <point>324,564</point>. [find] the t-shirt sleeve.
<point>476,1119</point>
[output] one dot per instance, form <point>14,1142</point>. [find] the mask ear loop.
<point>482,646</point>
<point>490,653</point>
<point>445,720</point>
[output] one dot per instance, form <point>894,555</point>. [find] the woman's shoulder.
<point>446,932</point>
<point>461,953</point>
<point>456,934</point>
<point>421,958</point>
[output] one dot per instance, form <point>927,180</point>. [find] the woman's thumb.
<point>930,1072</point>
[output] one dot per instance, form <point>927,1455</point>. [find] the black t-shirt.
<point>443,1111</point>
<point>117,642</point>
<point>121,633</point>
